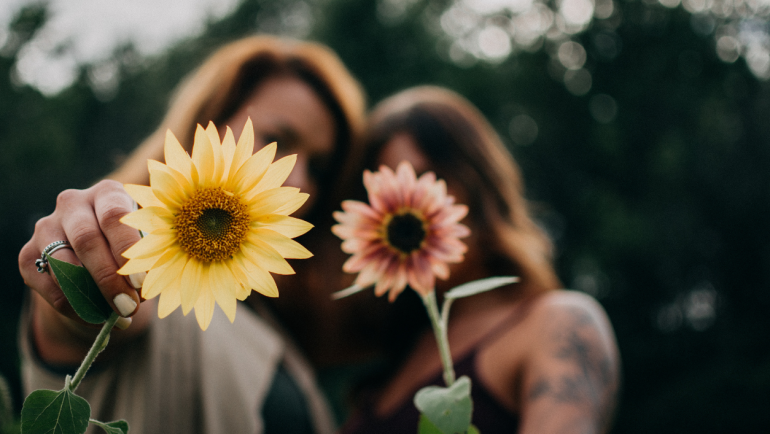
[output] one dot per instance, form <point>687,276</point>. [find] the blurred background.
<point>642,128</point>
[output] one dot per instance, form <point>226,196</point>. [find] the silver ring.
<point>42,263</point>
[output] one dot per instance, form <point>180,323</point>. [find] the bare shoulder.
<point>573,368</point>
<point>564,310</point>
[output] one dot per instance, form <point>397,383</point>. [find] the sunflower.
<point>407,235</point>
<point>216,224</point>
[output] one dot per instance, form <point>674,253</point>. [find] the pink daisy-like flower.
<point>407,235</point>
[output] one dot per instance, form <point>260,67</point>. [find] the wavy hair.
<point>462,145</point>
<point>220,86</point>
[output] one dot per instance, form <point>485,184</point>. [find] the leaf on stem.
<point>114,427</point>
<point>48,411</point>
<point>479,286</point>
<point>448,408</point>
<point>347,292</point>
<point>427,427</point>
<point>81,291</point>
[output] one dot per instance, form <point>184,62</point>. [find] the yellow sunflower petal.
<point>167,189</point>
<point>152,245</point>
<point>143,195</point>
<point>184,182</point>
<point>228,151</point>
<point>284,225</point>
<point>270,201</point>
<point>285,246</point>
<point>204,309</point>
<point>260,280</point>
<point>160,278</point>
<point>137,265</point>
<point>170,299</point>
<point>223,286</point>
<point>216,147</point>
<point>191,284</point>
<point>203,158</point>
<point>253,169</point>
<point>263,254</point>
<point>176,157</point>
<point>292,204</point>
<point>243,150</point>
<point>149,219</point>
<point>243,289</point>
<point>277,173</point>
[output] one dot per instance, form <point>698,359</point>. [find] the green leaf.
<point>479,286</point>
<point>448,408</point>
<point>114,427</point>
<point>47,411</point>
<point>427,427</point>
<point>81,291</point>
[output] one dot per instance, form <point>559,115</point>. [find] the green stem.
<point>440,330</point>
<point>99,344</point>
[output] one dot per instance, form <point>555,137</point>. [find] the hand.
<point>90,221</point>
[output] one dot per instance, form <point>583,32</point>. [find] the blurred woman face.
<point>403,147</point>
<point>286,110</point>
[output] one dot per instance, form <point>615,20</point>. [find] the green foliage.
<point>116,427</point>
<point>479,286</point>
<point>448,408</point>
<point>47,411</point>
<point>81,291</point>
<point>426,427</point>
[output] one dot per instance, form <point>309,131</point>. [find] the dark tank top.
<point>489,416</point>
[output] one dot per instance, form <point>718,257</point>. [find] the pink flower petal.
<point>420,274</point>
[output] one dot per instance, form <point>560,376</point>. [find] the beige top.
<point>180,379</point>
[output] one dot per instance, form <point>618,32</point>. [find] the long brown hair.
<point>463,146</point>
<point>216,90</point>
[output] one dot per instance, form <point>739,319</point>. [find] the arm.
<point>571,378</point>
<point>89,221</point>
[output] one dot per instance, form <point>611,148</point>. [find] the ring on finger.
<point>42,263</point>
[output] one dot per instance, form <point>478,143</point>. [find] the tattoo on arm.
<point>591,381</point>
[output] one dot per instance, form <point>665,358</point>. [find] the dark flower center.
<point>406,232</point>
<point>212,224</point>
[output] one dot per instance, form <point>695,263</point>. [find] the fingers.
<point>42,283</point>
<point>90,221</point>
<point>98,239</point>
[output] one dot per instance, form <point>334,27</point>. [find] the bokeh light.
<point>475,28</point>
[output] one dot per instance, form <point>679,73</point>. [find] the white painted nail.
<point>125,304</point>
<point>123,323</point>
<point>137,279</point>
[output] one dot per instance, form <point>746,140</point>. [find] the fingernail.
<point>123,323</point>
<point>125,304</point>
<point>137,279</point>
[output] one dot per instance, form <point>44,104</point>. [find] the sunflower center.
<point>212,224</point>
<point>405,232</point>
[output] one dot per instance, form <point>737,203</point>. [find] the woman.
<point>541,359</point>
<point>166,375</point>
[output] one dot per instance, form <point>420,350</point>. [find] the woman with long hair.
<point>166,376</point>
<point>541,359</point>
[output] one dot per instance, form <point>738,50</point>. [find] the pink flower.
<point>407,235</point>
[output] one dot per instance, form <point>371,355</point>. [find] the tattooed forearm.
<point>586,376</point>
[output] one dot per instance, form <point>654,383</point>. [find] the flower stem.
<point>99,344</point>
<point>440,330</point>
